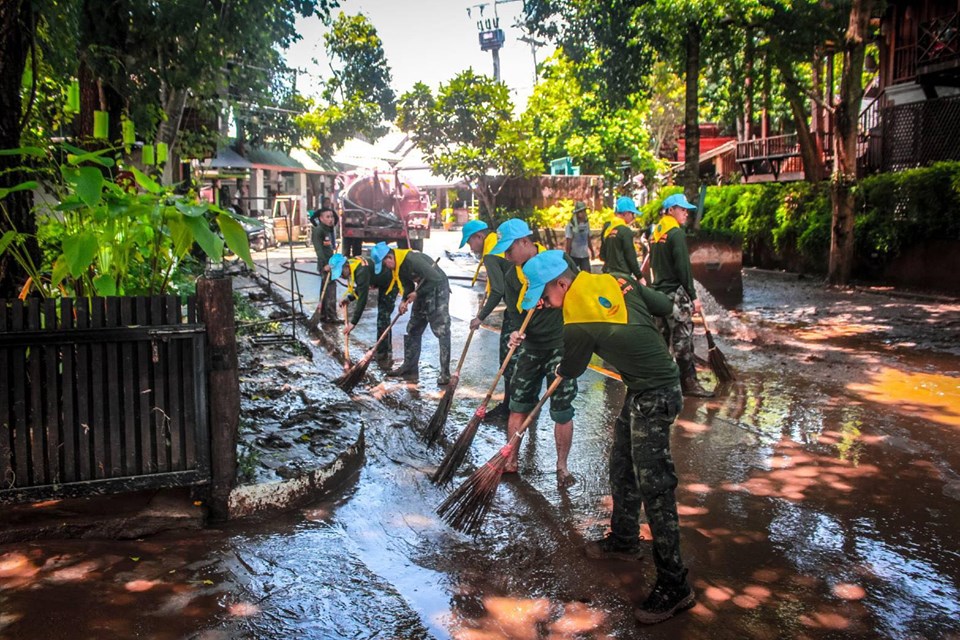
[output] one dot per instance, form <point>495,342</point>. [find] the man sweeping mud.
<point>324,244</point>
<point>430,302</point>
<point>481,240</point>
<point>673,275</point>
<point>358,273</point>
<point>617,250</point>
<point>607,316</point>
<point>541,349</point>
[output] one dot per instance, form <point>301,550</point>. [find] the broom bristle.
<point>718,362</point>
<point>439,419</point>
<point>455,456</point>
<point>351,378</point>
<point>467,506</point>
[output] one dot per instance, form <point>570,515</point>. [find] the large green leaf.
<point>211,243</point>
<point>6,239</point>
<point>80,250</point>
<point>105,285</point>
<point>191,210</point>
<point>23,186</point>
<point>146,182</point>
<point>86,181</point>
<point>236,237</point>
<point>182,236</point>
<point>60,271</point>
<point>79,156</point>
<point>33,152</point>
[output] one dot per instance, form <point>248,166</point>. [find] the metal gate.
<point>101,395</point>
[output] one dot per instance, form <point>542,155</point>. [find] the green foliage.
<point>358,99</point>
<point>101,236</point>
<point>565,118</point>
<point>559,215</point>
<point>467,131</point>
<point>793,220</point>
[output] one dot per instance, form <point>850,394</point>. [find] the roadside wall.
<point>545,191</point>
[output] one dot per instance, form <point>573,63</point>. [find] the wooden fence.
<point>101,395</point>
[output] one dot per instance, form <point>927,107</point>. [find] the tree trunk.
<point>691,117</point>
<point>748,56</point>
<point>17,25</point>
<point>846,119</point>
<point>813,169</point>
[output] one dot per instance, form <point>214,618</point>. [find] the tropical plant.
<point>105,233</point>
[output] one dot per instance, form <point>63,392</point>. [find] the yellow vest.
<point>488,244</point>
<point>616,222</point>
<point>667,222</point>
<point>523,279</point>
<point>399,255</point>
<point>354,264</point>
<point>594,297</point>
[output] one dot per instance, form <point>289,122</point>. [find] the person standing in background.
<point>577,237</point>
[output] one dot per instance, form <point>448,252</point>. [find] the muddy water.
<point>811,506</point>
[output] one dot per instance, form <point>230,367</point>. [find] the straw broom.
<point>466,507</point>
<point>439,419</point>
<point>314,321</point>
<point>355,374</point>
<point>454,458</point>
<point>718,363</point>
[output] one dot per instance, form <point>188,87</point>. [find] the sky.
<point>426,41</point>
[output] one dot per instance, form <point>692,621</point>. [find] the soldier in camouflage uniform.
<point>425,287</point>
<point>609,317</point>
<point>324,243</point>
<point>359,276</point>
<point>673,275</point>
<point>540,349</point>
<point>481,239</point>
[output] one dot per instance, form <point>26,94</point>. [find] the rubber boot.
<point>691,386</point>
<point>444,377</point>
<point>411,359</point>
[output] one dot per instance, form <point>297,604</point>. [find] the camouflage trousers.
<point>385,304</point>
<point>642,473</point>
<point>328,298</point>
<point>511,322</point>
<point>431,308</point>
<point>677,330</point>
<point>532,366</point>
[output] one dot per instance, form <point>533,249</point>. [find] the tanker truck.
<point>377,206</point>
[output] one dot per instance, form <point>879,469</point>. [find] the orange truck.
<point>381,206</point>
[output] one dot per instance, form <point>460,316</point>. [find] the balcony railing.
<point>765,148</point>
<point>904,63</point>
<point>939,41</point>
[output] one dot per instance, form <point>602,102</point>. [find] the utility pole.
<point>534,45</point>
<point>490,34</point>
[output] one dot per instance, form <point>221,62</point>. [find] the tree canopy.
<point>467,131</point>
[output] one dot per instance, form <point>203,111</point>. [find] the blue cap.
<point>471,228</point>
<point>377,254</point>
<point>540,270</point>
<point>336,263</point>
<point>625,204</point>
<point>512,229</point>
<point>678,200</point>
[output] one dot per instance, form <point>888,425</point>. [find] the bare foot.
<point>565,479</point>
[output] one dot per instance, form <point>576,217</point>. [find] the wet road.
<point>818,498</point>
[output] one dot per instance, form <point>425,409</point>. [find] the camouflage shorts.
<point>642,473</point>
<point>532,366</point>
<point>677,330</point>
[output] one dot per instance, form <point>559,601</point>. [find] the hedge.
<point>788,224</point>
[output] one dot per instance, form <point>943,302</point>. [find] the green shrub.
<point>560,214</point>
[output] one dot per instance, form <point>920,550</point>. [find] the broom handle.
<point>703,318</point>
<point>346,338</point>
<point>506,360</point>
<point>323,287</point>
<point>463,355</point>
<point>533,414</point>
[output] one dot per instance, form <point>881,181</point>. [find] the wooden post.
<point>215,303</point>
